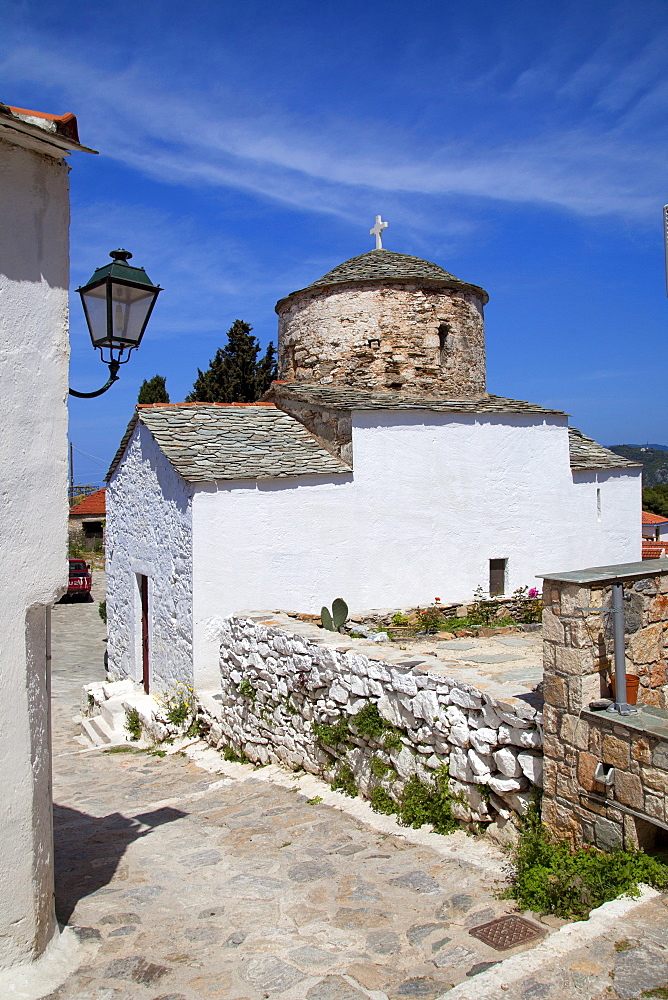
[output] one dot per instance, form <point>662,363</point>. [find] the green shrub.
<point>400,620</point>
<point>455,624</point>
<point>197,728</point>
<point>178,703</point>
<point>382,801</point>
<point>246,690</point>
<point>344,781</point>
<point>369,723</point>
<point>430,620</point>
<point>547,877</point>
<point>331,734</point>
<point>392,739</point>
<point>102,611</point>
<point>483,610</point>
<point>236,756</point>
<point>421,803</point>
<point>379,768</point>
<point>133,723</point>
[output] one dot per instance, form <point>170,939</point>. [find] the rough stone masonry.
<point>278,688</point>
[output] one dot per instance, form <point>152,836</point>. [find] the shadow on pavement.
<point>88,850</point>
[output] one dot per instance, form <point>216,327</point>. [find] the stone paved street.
<point>193,880</point>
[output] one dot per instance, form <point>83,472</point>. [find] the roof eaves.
<point>53,134</point>
<point>129,430</point>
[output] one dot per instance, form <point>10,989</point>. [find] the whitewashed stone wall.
<point>34,355</point>
<point>149,532</point>
<point>276,685</point>
<point>432,498</point>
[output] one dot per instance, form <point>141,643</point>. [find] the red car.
<point>80,579</point>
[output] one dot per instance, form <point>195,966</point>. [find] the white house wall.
<point>34,355</point>
<point>432,499</point>
<point>149,533</point>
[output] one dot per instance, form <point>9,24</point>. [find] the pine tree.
<point>153,390</point>
<point>234,374</point>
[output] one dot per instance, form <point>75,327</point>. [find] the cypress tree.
<point>234,374</point>
<point>153,390</point>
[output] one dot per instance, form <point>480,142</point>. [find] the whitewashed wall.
<point>432,499</point>
<point>34,354</point>
<point>149,532</point>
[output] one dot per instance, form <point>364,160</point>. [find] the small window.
<point>497,577</point>
<point>443,345</point>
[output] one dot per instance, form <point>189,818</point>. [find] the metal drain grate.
<point>507,932</point>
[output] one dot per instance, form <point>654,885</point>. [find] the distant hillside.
<point>652,457</point>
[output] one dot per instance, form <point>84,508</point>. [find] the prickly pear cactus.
<point>326,619</point>
<point>339,613</point>
<point>334,619</point>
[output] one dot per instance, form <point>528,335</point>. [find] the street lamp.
<point>117,302</point>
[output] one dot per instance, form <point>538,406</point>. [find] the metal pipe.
<point>621,706</point>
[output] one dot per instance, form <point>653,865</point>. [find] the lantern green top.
<point>120,269</point>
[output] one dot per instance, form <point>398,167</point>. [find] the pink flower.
<point>533,593</point>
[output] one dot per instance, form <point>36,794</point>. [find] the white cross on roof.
<point>377,230</point>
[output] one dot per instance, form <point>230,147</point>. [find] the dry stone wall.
<point>281,694</point>
<point>385,336</point>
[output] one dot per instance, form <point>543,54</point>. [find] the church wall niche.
<point>390,336</point>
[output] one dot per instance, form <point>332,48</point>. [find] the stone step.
<point>113,713</point>
<point>100,734</point>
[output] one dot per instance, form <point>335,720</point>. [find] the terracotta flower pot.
<point>632,683</point>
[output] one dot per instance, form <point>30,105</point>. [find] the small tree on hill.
<point>153,390</point>
<point>234,374</point>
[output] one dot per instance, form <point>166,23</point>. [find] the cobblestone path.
<point>188,884</point>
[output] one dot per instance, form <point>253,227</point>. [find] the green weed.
<point>246,690</point>
<point>344,781</point>
<point>332,734</point>
<point>547,877</point>
<point>382,801</point>
<point>133,723</point>
<point>421,803</point>
<point>379,768</point>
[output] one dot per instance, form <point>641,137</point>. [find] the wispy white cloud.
<point>331,165</point>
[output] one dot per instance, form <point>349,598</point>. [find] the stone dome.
<point>385,320</point>
<point>386,265</point>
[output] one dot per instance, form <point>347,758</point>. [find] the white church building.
<point>378,469</point>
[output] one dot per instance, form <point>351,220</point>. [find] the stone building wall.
<point>277,685</point>
<point>387,336</point>
<point>149,533</point>
<point>578,666</point>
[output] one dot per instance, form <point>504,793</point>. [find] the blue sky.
<point>246,148</point>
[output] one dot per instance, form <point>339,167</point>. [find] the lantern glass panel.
<point>129,311</point>
<point>95,305</point>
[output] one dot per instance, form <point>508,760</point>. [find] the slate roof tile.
<point>214,441</point>
<point>588,454</point>
<point>386,266</point>
<point>346,397</point>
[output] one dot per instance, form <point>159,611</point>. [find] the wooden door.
<point>145,652</point>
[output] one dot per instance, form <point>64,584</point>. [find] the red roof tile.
<point>654,550</point>
<point>93,505</point>
<point>65,124</point>
<point>648,518</point>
